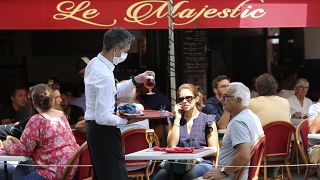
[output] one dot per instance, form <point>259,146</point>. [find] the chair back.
<point>278,138</point>
<point>79,136</point>
<point>257,153</point>
<point>135,140</point>
<point>84,159</point>
<point>302,132</point>
<point>73,161</point>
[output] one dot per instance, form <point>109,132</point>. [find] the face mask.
<point>117,60</point>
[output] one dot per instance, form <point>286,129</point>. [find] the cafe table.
<point>314,136</point>
<point>146,154</point>
<point>5,158</point>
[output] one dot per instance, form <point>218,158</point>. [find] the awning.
<point>152,14</point>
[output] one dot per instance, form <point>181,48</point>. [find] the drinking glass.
<point>149,83</point>
<point>150,138</point>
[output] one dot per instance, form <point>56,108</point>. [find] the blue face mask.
<point>117,60</point>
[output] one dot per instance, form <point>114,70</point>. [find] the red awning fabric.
<point>152,14</point>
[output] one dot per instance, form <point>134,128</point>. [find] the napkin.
<point>157,148</point>
<point>3,152</point>
<point>128,108</point>
<point>174,150</point>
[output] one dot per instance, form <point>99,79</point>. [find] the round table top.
<point>150,114</point>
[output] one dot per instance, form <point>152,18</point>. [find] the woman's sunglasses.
<point>187,98</point>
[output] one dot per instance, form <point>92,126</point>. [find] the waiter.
<point>103,136</point>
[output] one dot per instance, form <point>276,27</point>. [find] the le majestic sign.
<point>153,14</point>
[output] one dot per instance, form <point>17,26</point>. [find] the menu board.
<point>194,57</point>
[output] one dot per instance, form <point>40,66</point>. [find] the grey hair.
<point>301,82</point>
<point>117,37</point>
<point>241,91</point>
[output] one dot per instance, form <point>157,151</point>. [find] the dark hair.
<point>266,85</point>
<point>15,88</point>
<point>117,37</point>
<point>42,97</point>
<point>219,78</point>
<point>196,90</point>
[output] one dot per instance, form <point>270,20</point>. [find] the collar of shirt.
<point>106,61</point>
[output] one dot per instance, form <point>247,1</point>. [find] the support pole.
<point>171,53</point>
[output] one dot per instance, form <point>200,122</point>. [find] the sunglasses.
<point>187,98</point>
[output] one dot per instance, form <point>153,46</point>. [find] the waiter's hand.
<point>143,76</point>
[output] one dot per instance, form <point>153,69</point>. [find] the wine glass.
<point>150,138</point>
<point>149,83</point>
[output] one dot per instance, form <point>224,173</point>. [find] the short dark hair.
<point>42,97</point>
<point>219,78</point>
<point>117,37</point>
<point>15,88</point>
<point>266,85</point>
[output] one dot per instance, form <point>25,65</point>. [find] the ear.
<point>215,90</point>
<point>239,100</point>
<point>12,98</point>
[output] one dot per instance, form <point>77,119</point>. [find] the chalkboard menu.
<point>194,57</point>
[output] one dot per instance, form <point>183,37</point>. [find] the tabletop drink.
<point>150,137</point>
<point>149,84</point>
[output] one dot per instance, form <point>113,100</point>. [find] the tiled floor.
<point>296,176</point>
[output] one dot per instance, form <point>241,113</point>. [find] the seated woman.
<point>47,138</point>
<point>190,128</point>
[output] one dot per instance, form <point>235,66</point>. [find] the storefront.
<point>25,27</point>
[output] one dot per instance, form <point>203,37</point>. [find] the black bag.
<point>21,118</point>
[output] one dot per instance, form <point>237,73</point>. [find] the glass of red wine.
<point>149,83</point>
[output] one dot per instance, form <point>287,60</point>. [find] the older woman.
<point>47,138</point>
<point>190,128</point>
<point>299,103</point>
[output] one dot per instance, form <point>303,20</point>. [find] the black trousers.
<point>106,152</point>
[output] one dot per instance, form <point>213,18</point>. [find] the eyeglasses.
<point>226,96</point>
<point>304,87</point>
<point>187,98</point>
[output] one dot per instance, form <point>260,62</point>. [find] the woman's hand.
<point>177,111</point>
<point>10,140</point>
<point>297,115</point>
<point>13,139</point>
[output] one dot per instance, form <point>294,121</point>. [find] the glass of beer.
<point>149,84</point>
<point>150,138</point>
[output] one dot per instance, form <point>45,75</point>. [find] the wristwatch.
<point>134,82</point>
<point>223,172</point>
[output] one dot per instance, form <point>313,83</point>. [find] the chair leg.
<point>265,168</point>
<point>288,170</point>
<point>306,174</point>
<point>297,156</point>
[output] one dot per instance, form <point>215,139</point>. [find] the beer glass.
<point>149,83</point>
<point>150,138</point>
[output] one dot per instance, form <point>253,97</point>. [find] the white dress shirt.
<point>314,111</point>
<point>100,92</point>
